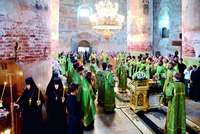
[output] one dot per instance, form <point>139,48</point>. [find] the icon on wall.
<point>3,66</point>
<point>145,4</point>
<point>145,9</point>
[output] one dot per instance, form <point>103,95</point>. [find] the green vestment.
<point>120,58</point>
<point>104,58</point>
<point>176,114</point>
<point>93,55</point>
<point>101,86</point>
<point>131,67</point>
<point>70,71</point>
<point>142,67</point>
<point>169,78</point>
<point>138,64</point>
<point>149,72</point>
<point>166,65</point>
<point>123,77</point>
<point>160,72</point>
<point>77,78</point>
<point>93,68</point>
<point>176,67</point>
<point>86,98</point>
<point>63,64</point>
<point>109,98</point>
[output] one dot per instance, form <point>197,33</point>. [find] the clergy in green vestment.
<point>149,68</point>
<point>77,75</point>
<point>93,70</point>
<point>69,70</point>
<point>160,72</point>
<point>138,64</point>
<point>62,61</point>
<point>122,77</point>
<point>165,63</point>
<point>143,65</point>
<point>121,57</point>
<point>104,57</point>
<point>169,75</point>
<point>93,66</point>
<point>133,62</point>
<point>101,84</point>
<point>86,97</point>
<point>93,55</point>
<point>109,97</point>
<point>176,113</point>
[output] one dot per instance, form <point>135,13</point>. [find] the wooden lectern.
<point>138,95</point>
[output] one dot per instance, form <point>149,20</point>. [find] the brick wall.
<point>28,24</point>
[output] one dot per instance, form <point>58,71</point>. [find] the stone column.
<point>191,28</point>
<point>54,27</point>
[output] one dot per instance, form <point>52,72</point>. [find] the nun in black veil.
<point>32,108</point>
<point>57,119</point>
<point>51,84</point>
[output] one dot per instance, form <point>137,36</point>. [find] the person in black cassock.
<point>181,68</point>
<point>57,119</point>
<point>75,122</point>
<point>32,108</point>
<point>195,84</point>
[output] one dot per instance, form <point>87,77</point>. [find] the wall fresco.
<point>191,28</point>
<point>68,25</point>
<point>139,26</point>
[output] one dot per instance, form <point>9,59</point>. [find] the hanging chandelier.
<point>106,21</point>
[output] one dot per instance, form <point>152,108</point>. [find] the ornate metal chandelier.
<point>106,21</point>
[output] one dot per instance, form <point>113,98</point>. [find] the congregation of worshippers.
<point>92,77</point>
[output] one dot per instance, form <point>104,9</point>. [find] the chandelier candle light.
<point>106,21</point>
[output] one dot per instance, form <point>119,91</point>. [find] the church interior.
<point>35,33</point>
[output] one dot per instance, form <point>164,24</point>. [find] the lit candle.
<point>3,90</point>
<point>38,92</point>
<point>63,91</point>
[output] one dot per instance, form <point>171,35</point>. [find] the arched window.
<point>165,32</point>
<point>83,21</point>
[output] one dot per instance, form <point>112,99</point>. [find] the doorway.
<point>84,46</point>
<point>83,49</point>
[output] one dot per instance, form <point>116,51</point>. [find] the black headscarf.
<point>58,81</point>
<point>51,84</point>
<point>30,81</point>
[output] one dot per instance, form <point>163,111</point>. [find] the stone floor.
<point>125,121</point>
